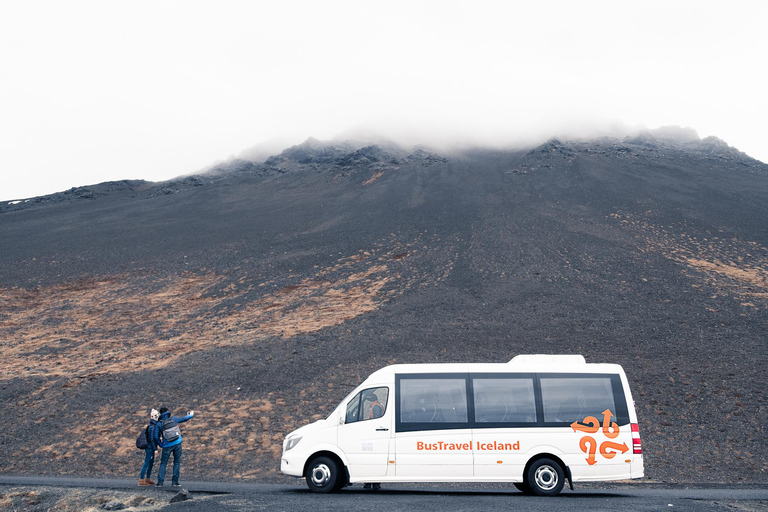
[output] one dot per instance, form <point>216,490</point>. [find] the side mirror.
<point>341,419</point>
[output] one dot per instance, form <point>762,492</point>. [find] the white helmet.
<point>154,414</point>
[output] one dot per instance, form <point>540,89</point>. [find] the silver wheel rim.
<point>546,478</point>
<point>320,475</point>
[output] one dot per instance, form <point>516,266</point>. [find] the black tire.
<point>341,480</point>
<point>545,477</point>
<point>522,487</point>
<point>323,475</point>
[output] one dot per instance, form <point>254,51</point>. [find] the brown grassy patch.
<point>733,266</point>
<point>239,435</point>
<point>81,330</point>
<point>373,178</point>
<point>233,430</point>
<point>748,276</point>
<point>90,327</point>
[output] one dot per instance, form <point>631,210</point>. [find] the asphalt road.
<point>231,497</point>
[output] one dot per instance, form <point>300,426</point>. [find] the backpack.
<point>171,430</point>
<point>142,442</point>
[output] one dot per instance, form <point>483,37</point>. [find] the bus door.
<point>365,434</point>
<point>433,437</point>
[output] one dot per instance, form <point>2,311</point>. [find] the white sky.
<point>98,91</point>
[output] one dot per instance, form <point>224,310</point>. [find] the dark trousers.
<point>176,451</point>
<point>149,461</point>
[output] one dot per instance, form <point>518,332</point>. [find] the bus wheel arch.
<point>545,475</point>
<point>325,472</point>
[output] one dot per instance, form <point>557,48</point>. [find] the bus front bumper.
<point>291,466</point>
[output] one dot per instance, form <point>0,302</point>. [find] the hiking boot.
<point>143,482</point>
<point>149,481</point>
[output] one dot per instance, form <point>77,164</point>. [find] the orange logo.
<point>588,445</point>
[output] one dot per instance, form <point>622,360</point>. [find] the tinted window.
<point>504,400</point>
<point>439,400</point>
<point>569,399</point>
<point>374,405</point>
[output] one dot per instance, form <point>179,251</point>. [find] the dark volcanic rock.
<point>312,151</point>
<point>113,189</point>
<point>113,505</point>
<point>426,158</point>
<point>552,147</point>
<point>369,155</point>
<point>183,495</point>
<point>259,295</point>
<point>342,154</point>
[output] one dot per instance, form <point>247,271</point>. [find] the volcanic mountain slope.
<point>260,294</point>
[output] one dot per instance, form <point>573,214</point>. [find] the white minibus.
<point>536,422</point>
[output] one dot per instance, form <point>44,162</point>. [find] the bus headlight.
<point>290,443</point>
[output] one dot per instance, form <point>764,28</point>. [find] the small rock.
<point>113,505</point>
<point>181,496</point>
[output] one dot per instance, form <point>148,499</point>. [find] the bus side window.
<point>374,403</point>
<point>438,400</point>
<point>504,400</point>
<point>569,399</point>
<point>353,408</point>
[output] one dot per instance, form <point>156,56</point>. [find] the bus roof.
<point>527,363</point>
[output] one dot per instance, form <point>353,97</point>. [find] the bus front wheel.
<point>322,475</point>
<point>545,477</point>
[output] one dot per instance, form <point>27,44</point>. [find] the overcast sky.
<point>107,90</point>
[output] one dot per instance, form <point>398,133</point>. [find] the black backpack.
<point>171,430</point>
<point>142,442</point>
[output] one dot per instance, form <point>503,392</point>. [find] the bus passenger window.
<point>433,400</point>
<point>504,400</point>
<point>569,399</point>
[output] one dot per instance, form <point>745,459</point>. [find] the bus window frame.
<point>361,404</point>
<point>621,415</point>
<point>505,424</point>
<point>401,426</point>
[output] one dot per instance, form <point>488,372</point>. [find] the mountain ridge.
<point>352,153</point>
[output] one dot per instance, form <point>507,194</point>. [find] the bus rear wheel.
<point>545,477</point>
<point>323,475</point>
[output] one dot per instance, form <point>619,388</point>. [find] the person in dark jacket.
<point>149,451</point>
<point>169,447</point>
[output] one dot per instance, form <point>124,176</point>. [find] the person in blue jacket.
<point>169,445</point>
<point>149,451</point>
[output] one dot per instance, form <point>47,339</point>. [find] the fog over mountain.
<point>261,291</point>
<point>94,92</point>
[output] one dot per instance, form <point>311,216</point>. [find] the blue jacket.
<point>159,429</point>
<point>152,428</point>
